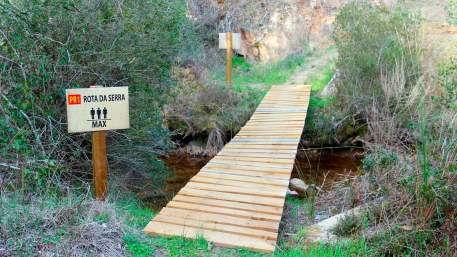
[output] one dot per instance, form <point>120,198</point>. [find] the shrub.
<point>348,226</point>
<point>452,11</point>
<point>47,46</point>
<point>411,136</point>
<point>447,79</point>
<point>375,43</point>
<point>200,107</point>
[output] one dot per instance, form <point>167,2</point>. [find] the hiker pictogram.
<point>99,112</point>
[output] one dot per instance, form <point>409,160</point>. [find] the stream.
<point>321,167</point>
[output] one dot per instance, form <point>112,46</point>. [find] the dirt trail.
<point>313,67</point>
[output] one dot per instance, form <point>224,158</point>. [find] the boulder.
<point>301,188</point>
<point>292,193</point>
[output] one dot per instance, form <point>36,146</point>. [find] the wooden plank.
<point>278,114</point>
<point>215,226</point>
<point>270,155</point>
<point>269,132</point>
<point>229,204</point>
<point>250,165</point>
<point>278,140</point>
<point>237,190</point>
<point>279,127</point>
<point>222,219</point>
<point>228,182</point>
<point>224,210</point>
<point>275,123</point>
<point>243,178</point>
<point>266,110</point>
<point>259,150</point>
<point>219,238</point>
<point>269,201</point>
<point>260,146</point>
<point>248,169</point>
<point>253,160</point>
<point>266,136</point>
<point>251,174</point>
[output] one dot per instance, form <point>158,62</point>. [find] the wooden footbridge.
<point>237,199</point>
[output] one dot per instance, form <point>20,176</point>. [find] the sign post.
<point>96,110</point>
<point>229,41</point>
<point>99,164</point>
<point>228,67</point>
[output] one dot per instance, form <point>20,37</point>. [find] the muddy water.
<point>319,167</point>
<point>324,167</point>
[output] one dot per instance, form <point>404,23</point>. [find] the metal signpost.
<point>96,110</point>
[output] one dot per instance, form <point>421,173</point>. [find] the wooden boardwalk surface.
<point>237,199</point>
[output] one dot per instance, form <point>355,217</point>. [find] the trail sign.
<point>97,109</point>
<point>236,41</point>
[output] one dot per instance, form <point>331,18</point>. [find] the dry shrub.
<point>411,141</point>
<point>72,226</point>
<point>205,109</point>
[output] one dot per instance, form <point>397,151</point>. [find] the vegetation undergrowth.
<point>411,136</point>
<point>319,82</point>
<point>48,46</point>
<point>452,11</point>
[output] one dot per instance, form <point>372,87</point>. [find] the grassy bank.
<point>78,226</point>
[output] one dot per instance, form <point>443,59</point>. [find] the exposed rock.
<point>322,231</point>
<point>330,89</point>
<point>301,188</point>
<point>291,192</point>
<point>196,147</point>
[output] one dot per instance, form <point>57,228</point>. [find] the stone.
<point>301,188</point>
<point>291,192</point>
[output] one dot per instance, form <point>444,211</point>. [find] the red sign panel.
<point>74,99</point>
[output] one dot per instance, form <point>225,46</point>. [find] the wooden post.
<point>229,58</point>
<point>99,164</point>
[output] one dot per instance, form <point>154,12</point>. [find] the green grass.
<point>321,80</point>
<point>141,245</point>
<point>318,83</point>
<point>244,73</point>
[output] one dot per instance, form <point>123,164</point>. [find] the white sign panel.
<point>96,109</point>
<point>236,40</point>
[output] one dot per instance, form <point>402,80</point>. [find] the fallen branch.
<point>9,166</point>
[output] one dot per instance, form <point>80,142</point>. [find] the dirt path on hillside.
<point>313,66</point>
<point>317,64</point>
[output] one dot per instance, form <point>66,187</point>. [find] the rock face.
<point>301,188</point>
<point>271,30</point>
<point>330,89</point>
<point>288,28</point>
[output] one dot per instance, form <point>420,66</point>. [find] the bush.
<point>348,226</point>
<point>69,226</point>
<point>447,79</point>
<point>375,43</point>
<point>411,137</point>
<point>452,11</point>
<point>47,46</point>
<point>203,108</point>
